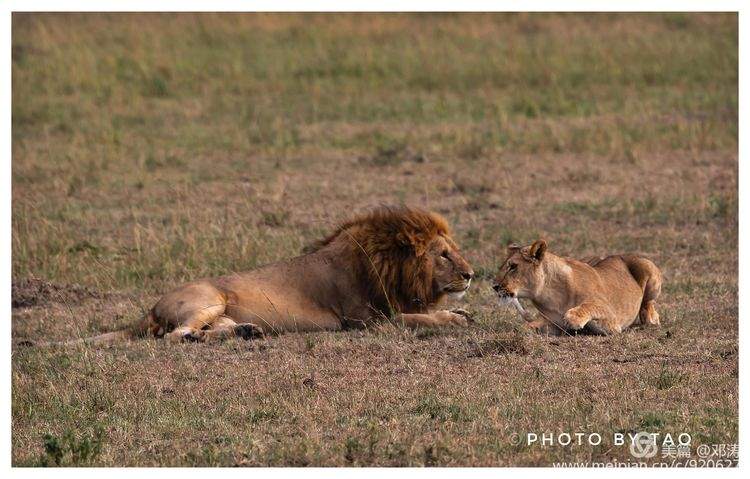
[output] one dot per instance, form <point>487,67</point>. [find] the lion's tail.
<point>138,330</point>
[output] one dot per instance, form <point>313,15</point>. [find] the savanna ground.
<point>153,149</point>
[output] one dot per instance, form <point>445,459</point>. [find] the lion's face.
<point>451,273</point>
<point>407,256</point>
<point>521,275</point>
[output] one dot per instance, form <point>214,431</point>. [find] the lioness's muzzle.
<point>502,292</point>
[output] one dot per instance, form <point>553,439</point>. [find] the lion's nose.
<point>467,275</point>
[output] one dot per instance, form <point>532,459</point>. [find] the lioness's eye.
<point>444,254</point>
<point>512,267</point>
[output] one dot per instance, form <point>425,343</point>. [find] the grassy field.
<point>153,149</point>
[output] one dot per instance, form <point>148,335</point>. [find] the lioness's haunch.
<point>601,296</point>
<point>395,262</point>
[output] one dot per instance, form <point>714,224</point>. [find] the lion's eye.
<point>512,267</point>
<point>444,254</point>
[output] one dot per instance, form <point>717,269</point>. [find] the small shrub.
<point>69,450</point>
<point>274,219</point>
<point>434,409</point>
<point>352,448</point>
<point>259,415</point>
<point>652,421</point>
<point>668,379</point>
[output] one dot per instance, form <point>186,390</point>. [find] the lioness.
<point>395,262</point>
<point>602,295</point>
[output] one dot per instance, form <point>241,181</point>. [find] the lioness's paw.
<point>574,319</point>
<point>448,317</point>
<point>649,316</point>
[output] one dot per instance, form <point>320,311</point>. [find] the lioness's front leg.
<point>544,327</point>
<point>577,317</point>
<point>438,318</point>
<point>586,312</point>
<point>600,328</point>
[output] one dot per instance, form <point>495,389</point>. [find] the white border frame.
<point>340,6</point>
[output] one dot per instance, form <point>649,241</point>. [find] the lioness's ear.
<point>537,249</point>
<point>513,247</point>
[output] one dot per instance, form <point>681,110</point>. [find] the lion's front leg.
<point>438,318</point>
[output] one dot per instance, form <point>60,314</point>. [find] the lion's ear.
<point>403,239</point>
<point>513,247</point>
<point>537,249</point>
<point>413,241</point>
<point>420,248</point>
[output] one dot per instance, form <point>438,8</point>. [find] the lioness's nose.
<point>468,275</point>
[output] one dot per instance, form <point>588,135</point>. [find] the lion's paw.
<point>248,331</point>
<point>194,336</point>
<point>446,317</point>
<point>466,314</point>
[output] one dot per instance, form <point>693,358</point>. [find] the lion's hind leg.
<point>226,328</point>
<point>189,311</point>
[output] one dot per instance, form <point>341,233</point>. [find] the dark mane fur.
<point>389,244</point>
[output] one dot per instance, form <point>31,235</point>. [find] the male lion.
<point>395,262</point>
<point>602,295</point>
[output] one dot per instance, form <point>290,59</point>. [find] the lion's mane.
<point>389,245</point>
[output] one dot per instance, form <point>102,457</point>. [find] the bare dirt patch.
<point>38,292</point>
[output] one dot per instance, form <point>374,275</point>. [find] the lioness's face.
<point>521,275</point>
<point>451,273</point>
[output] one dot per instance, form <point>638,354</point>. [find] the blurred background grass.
<point>114,115</point>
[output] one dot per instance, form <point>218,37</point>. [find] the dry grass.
<point>148,150</point>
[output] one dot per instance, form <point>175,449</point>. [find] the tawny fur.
<point>394,263</point>
<point>602,295</point>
